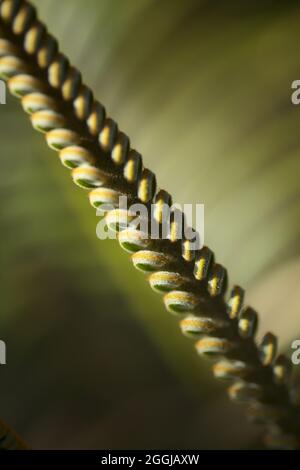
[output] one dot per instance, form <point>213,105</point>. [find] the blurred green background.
<point>203,89</point>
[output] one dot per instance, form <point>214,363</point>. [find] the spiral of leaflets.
<point>101,160</point>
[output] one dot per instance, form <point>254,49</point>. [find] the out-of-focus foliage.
<point>203,90</point>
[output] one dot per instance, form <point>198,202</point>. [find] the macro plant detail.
<point>101,160</point>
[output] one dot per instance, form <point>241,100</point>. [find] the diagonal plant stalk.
<point>194,286</point>
<point>9,440</point>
